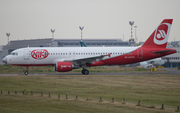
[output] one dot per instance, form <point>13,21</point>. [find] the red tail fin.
<point>159,37</point>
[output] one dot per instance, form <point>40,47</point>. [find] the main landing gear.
<point>26,72</point>
<point>84,71</point>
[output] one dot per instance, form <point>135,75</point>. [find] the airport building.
<point>60,43</point>
<point>171,60</point>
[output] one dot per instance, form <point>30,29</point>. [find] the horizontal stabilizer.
<point>164,51</point>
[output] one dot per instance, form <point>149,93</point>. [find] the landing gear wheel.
<point>85,72</point>
<point>26,73</point>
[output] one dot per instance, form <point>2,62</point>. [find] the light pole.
<point>131,23</point>
<point>81,28</point>
<point>8,34</point>
<point>52,30</point>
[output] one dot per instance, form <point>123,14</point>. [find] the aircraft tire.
<point>26,73</point>
<point>85,72</point>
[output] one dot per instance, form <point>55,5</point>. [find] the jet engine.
<point>143,64</point>
<point>65,66</point>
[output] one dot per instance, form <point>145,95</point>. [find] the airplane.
<point>152,63</point>
<point>66,59</point>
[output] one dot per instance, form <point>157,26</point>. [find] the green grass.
<point>152,90</point>
<point>8,69</point>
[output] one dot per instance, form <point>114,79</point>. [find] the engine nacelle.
<point>63,66</point>
<point>159,63</point>
<point>143,64</point>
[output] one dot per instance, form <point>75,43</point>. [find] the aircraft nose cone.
<point>4,60</point>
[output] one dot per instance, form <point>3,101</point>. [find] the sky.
<point>102,19</point>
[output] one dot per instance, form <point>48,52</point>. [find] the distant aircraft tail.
<point>159,37</point>
<point>82,44</point>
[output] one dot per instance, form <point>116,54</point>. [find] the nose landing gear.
<point>26,72</point>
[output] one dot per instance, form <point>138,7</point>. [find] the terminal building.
<point>7,49</point>
<point>171,60</point>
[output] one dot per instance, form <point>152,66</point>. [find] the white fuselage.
<point>55,54</point>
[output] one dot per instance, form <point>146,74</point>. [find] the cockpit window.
<point>13,53</point>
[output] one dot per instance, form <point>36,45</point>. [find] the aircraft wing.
<point>85,60</point>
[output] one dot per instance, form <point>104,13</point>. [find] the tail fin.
<point>159,37</point>
<point>82,44</point>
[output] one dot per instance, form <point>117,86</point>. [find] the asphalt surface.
<point>169,71</point>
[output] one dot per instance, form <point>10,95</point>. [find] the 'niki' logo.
<point>162,33</point>
<point>39,54</point>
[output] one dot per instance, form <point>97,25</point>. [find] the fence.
<point>76,98</point>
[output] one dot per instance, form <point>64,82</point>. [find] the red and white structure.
<point>131,40</point>
<point>81,28</point>
<point>131,23</point>
<point>52,30</point>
